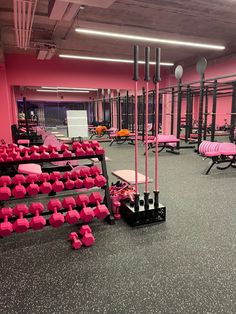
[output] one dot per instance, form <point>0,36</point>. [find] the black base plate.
<point>141,217</point>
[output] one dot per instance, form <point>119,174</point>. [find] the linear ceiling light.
<point>61,91</point>
<point>108,59</point>
<point>65,88</point>
<point>149,39</point>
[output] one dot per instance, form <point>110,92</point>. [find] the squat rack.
<point>204,88</point>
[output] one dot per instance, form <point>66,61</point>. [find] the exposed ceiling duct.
<point>45,51</point>
<point>24,11</point>
<point>67,9</point>
<point>93,3</point>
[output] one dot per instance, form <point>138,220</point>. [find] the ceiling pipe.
<point>28,23</point>
<point>23,13</point>
<point>23,24</point>
<point>32,19</point>
<point>15,23</point>
<point>19,21</point>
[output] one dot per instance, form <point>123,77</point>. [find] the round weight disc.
<point>201,65</point>
<point>179,72</point>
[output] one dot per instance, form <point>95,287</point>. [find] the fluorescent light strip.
<point>62,91</point>
<point>150,39</point>
<point>109,59</point>
<point>70,88</point>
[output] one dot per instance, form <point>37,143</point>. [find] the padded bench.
<point>220,153</point>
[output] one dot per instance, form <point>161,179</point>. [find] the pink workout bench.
<point>164,141</point>
<point>219,153</point>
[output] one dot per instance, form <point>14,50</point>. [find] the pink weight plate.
<point>202,147</point>
<point>207,147</point>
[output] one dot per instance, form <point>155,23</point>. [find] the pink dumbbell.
<point>33,188</point>
<point>78,182</point>
<point>99,150</point>
<point>85,145</point>
<point>70,184</point>
<point>88,181</point>
<point>72,216</point>
<point>94,144</point>
<point>21,224</point>
<point>66,151</point>
<point>45,187</point>
<point>19,190</point>
<point>86,214</point>
<point>5,192</point>
<point>37,222</point>
<point>4,153</point>
<point>35,155</point>
<point>18,156</point>
<point>54,153</point>
<point>13,151</point>
<point>75,242</point>
<point>76,145</point>
<point>56,219</point>
<point>101,211</point>
<point>80,152</point>
<point>116,207</point>
<point>26,156</point>
<point>99,180</point>
<point>89,151</point>
<point>88,238</point>
<point>6,227</point>
<point>58,185</point>
<point>44,152</point>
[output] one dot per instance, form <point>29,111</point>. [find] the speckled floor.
<point>186,265</point>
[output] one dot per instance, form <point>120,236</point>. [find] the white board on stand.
<point>77,123</point>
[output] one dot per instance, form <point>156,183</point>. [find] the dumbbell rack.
<point>10,164</point>
<point>47,213</point>
<point>101,158</point>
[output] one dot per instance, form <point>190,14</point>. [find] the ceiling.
<point>209,22</point>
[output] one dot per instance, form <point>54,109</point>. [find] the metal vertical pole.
<point>118,111</point>
<point>206,114</point>
<point>190,113</point>
<point>104,105</point>
<point>233,113</point>
<point>200,112</point>
<point>109,107</point>
<point>153,112</point>
<point>179,111</point>
<point>26,117</point>
<point>132,113</point>
<point>143,115</point>
<point>213,121</point>
<point>127,110</point>
<point>188,103</point>
<point>172,110</point>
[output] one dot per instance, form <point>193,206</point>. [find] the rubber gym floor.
<point>185,265</point>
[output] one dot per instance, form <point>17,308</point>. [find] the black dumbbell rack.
<point>101,158</point>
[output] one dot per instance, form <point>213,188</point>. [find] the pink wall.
<point>6,108</point>
<point>218,67</point>
<point>26,70</point>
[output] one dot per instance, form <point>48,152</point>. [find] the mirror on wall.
<point>48,106</point>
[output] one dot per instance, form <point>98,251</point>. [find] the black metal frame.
<point>216,160</point>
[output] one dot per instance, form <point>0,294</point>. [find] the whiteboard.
<point>77,123</point>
